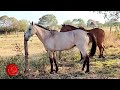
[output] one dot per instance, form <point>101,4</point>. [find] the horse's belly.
<point>58,46</point>
<point>63,46</point>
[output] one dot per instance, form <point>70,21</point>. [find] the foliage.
<point>67,22</point>
<point>91,23</point>
<point>110,14</point>
<point>11,24</point>
<point>78,22</point>
<point>23,25</point>
<point>48,20</point>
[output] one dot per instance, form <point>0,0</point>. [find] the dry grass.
<point>8,45</point>
<point>69,66</point>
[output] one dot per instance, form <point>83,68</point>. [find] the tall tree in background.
<point>75,22</point>
<point>11,24</point>
<point>48,20</point>
<point>23,25</point>
<point>109,15</point>
<point>78,22</point>
<point>92,23</point>
<point>14,25</point>
<point>67,22</point>
<point>4,21</point>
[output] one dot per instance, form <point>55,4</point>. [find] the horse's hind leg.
<point>81,56</point>
<point>101,49</point>
<point>85,57</point>
<point>54,59</point>
<point>86,62</point>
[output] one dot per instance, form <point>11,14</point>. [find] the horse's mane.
<point>45,28</point>
<point>82,28</point>
<point>42,27</point>
<point>69,26</point>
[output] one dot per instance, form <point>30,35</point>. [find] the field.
<point>12,51</point>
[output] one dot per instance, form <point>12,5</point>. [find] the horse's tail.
<point>94,44</point>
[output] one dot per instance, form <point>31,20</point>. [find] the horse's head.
<point>67,28</point>
<point>81,28</point>
<point>30,31</point>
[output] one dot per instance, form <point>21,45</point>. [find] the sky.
<point>61,16</point>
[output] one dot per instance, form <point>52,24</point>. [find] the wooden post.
<point>26,56</point>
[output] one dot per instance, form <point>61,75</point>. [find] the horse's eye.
<point>29,29</point>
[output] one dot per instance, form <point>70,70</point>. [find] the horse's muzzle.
<point>25,39</point>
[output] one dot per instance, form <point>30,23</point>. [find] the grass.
<point>69,66</point>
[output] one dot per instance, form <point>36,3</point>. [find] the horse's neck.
<point>42,34</point>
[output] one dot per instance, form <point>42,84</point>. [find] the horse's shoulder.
<point>53,32</point>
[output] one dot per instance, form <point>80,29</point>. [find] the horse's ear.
<point>32,23</point>
<point>63,24</point>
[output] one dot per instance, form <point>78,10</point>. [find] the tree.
<point>67,22</point>
<point>48,20</point>
<point>4,21</point>
<point>108,15</point>
<point>78,22</point>
<point>91,23</point>
<point>112,22</point>
<point>23,25</point>
<point>14,25</point>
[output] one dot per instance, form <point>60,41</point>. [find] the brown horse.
<point>98,33</point>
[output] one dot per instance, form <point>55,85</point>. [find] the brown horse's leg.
<point>54,59</point>
<point>84,65</point>
<point>88,63</point>
<point>101,49</point>
<point>60,54</point>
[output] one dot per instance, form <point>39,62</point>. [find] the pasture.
<point>12,51</point>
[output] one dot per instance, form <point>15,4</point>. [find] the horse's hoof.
<point>82,69</point>
<point>51,72</point>
<point>103,57</point>
<point>91,57</point>
<point>87,71</point>
<point>56,71</point>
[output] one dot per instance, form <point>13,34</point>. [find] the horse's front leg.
<point>54,59</point>
<point>51,61</point>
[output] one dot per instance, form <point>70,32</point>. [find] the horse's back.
<point>98,31</point>
<point>99,34</point>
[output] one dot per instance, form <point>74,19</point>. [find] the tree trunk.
<point>110,28</point>
<point>116,29</point>
<point>17,33</point>
<point>6,34</point>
